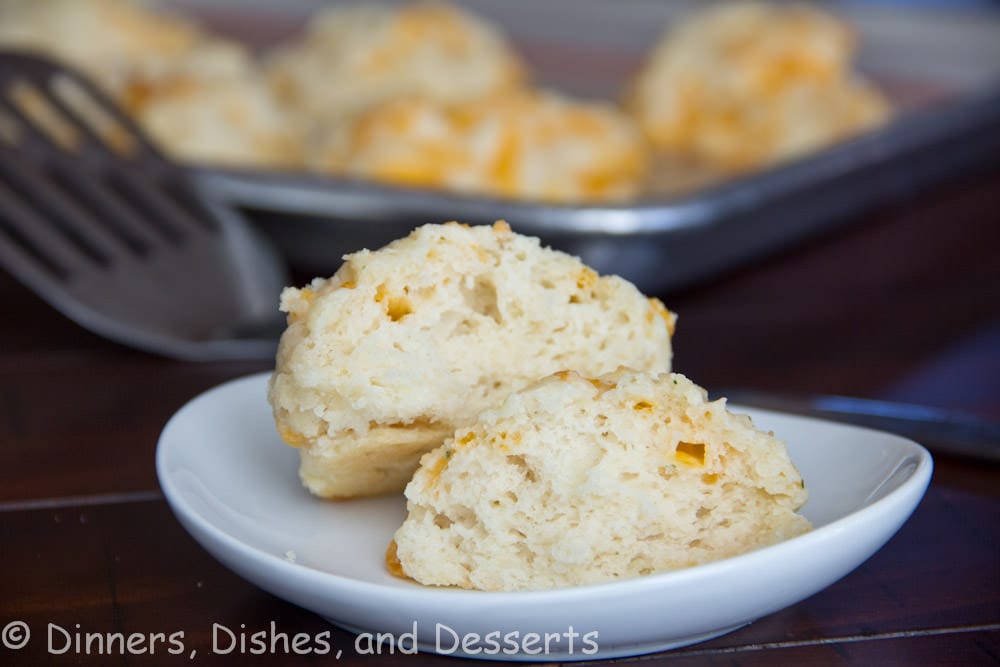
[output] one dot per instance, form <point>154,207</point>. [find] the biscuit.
<point>577,481</point>
<point>211,107</point>
<point>354,56</point>
<point>533,145</point>
<point>105,38</point>
<point>746,84</point>
<point>383,361</point>
<point>198,96</point>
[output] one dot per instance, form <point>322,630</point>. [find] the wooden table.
<point>902,304</point>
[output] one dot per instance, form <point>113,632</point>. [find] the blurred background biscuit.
<point>524,144</point>
<point>354,56</point>
<point>745,84</point>
<point>198,95</point>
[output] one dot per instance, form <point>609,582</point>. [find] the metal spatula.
<point>95,220</point>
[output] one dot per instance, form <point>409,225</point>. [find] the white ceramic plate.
<point>234,486</point>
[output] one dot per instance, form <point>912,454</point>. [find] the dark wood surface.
<point>902,304</point>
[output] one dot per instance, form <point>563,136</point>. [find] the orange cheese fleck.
<point>293,438</point>
<point>690,453</point>
<point>435,470</point>
<point>306,296</point>
<point>392,562</point>
<point>396,307</point>
<point>601,385</point>
<point>587,278</point>
<point>657,308</point>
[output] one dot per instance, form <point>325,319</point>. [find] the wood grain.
<point>856,312</point>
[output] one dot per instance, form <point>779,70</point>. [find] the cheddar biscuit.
<point>354,56</point>
<point>534,145</point>
<point>199,96</point>
<point>578,480</point>
<point>746,84</point>
<point>383,361</point>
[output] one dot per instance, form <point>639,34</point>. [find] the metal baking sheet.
<point>940,67</point>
